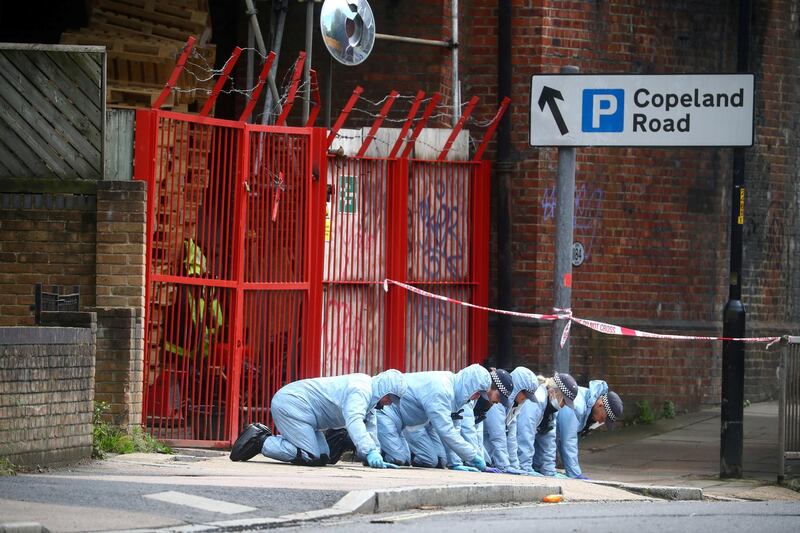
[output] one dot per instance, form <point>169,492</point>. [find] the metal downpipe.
<point>503,171</point>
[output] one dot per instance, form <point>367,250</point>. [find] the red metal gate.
<point>425,223</point>
<point>253,283</point>
<point>234,222</point>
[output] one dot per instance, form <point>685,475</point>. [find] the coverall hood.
<point>597,388</point>
<point>468,381</point>
<point>388,382</point>
<point>524,381</point>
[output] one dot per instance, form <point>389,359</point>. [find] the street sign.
<point>634,110</point>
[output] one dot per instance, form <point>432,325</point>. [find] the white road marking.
<point>199,502</point>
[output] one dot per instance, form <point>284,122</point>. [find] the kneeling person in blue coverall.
<point>425,429</point>
<point>500,428</point>
<point>594,407</point>
<point>304,409</point>
<point>536,436</point>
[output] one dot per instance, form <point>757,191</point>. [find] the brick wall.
<point>46,393</point>
<point>653,221</point>
<point>121,232</point>
<point>120,282</point>
<point>120,351</point>
<point>48,239</point>
<point>771,288</point>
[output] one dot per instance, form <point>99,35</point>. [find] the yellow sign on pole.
<point>740,219</point>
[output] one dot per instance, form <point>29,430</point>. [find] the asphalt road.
<point>659,517</point>
<point>148,498</point>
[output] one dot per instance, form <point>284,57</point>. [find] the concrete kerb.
<point>383,501</point>
<point>654,491</point>
<point>23,527</point>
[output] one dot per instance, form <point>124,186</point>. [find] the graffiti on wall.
<point>440,245</point>
<point>588,216</point>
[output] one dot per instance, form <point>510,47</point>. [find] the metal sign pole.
<point>734,316</point>
<point>565,220</point>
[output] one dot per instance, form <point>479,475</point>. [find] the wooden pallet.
<point>163,13</point>
<point>139,47</point>
<point>144,39</point>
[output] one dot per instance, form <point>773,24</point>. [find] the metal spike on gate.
<point>176,72</point>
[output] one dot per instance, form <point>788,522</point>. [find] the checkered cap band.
<point>499,384</point>
<point>607,407</point>
<point>563,388</point>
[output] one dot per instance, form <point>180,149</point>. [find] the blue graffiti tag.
<point>441,244</point>
<point>588,212</point>
<point>433,320</point>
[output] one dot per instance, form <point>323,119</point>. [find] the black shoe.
<point>338,442</point>
<point>249,443</point>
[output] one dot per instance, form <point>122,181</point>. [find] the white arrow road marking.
<point>198,502</point>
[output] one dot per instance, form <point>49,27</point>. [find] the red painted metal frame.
<point>343,115</point>
<point>457,128</point>
<point>479,261</point>
<point>287,107</point>
<point>223,77</point>
<point>316,225</point>
<point>312,115</point>
<point>239,146</point>
<point>407,124</point>
<point>397,265</point>
<point>429,109</point>
<point>492,126</point>
<point>176,72</point>
<point>190,161</point>
<point>262,77</point>
<point>377,124</point>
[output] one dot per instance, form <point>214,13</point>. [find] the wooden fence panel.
<point>52,103</point>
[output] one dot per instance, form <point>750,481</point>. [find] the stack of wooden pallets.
<point>143,39</point>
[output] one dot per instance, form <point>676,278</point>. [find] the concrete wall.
<point>46,393</point>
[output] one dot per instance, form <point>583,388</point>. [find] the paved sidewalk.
<point>684,451</point>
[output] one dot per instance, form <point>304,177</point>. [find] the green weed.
<point>112,439</point>
<point>7,468</point>
<point>668,410</point>
<point>646,415</point>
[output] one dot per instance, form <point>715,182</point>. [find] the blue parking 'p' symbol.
<point>603,110</point>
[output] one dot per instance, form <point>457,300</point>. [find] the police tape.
<point>416,290</point>
<point>566,314</point>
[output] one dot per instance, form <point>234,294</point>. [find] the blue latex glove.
<point>559,475</point>
<point>478,463</point>
<point>375,460</point>
<point>389,465</point>
<point>582,477</point>
<point>492,470</point>
<point>515,471</point>
<point>462,468</point>
<point>533,473</point>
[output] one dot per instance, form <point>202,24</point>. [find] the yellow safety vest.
<point>195,263</point>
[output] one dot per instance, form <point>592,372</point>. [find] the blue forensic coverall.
<point>500,427</point>
<point>570,422</point>
<point>471,430</point>
<point>428,420</point>
<point>304,409</point>
<point>528,421</point>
